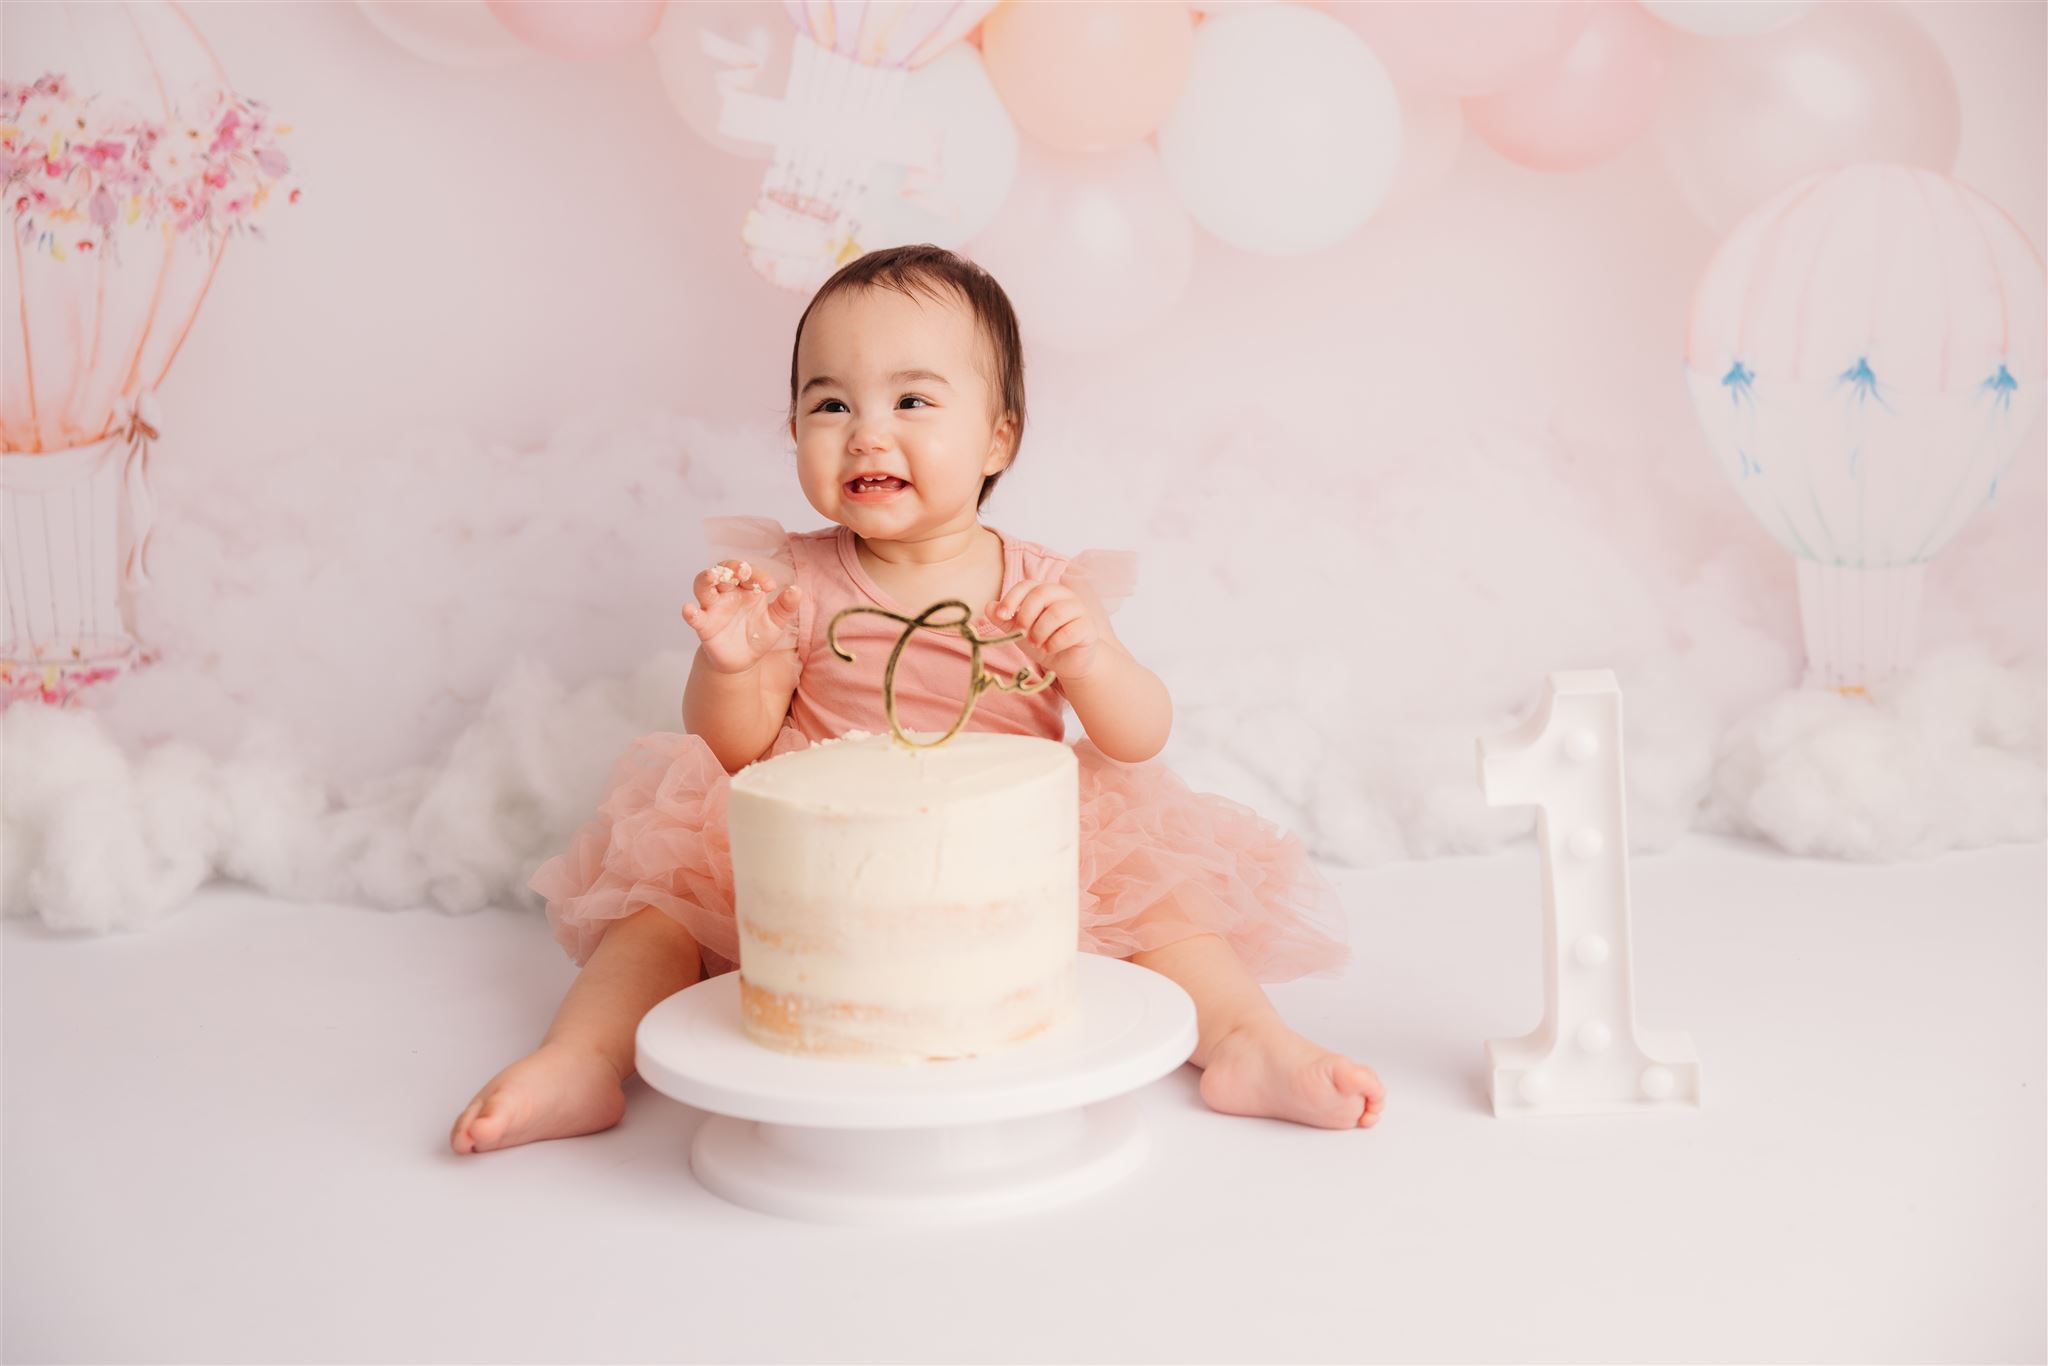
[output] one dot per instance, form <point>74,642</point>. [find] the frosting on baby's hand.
<point>723,576</point>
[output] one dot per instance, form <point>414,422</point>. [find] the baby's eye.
<point>913,398</point>
<point>826,404</point>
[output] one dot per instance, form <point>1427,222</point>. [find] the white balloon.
<point>1092,249</point>
<point>1742,119</point>
<point>452,32</point>
<point>1727,18</point>
<point>954,192</point>
<point>1289,131</point>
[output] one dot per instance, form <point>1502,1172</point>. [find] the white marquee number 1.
<point>1587,1056</point>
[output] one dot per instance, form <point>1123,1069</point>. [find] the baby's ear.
<point>1002,448</point>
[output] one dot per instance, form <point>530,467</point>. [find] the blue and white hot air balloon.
<point>1866,354</point>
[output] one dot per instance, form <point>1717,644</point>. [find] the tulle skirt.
<point>1159,863</point>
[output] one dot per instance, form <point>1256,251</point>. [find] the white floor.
<point>225,1141</point>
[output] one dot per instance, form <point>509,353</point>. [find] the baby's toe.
<point>1338,1100</point>
<point>1357,1079</point>
<point>458,1135</point>
<point>493,1118</point>
<point>463,1136</point>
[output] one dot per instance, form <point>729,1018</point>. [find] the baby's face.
<point>896,386</point>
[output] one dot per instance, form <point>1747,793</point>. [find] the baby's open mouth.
<point>886,483</point>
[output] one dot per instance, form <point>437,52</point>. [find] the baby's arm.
<point>740,681</point>
<point>739,714</point>
<point>1122,704</point>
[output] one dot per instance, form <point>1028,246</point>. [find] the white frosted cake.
<point>898,904</point>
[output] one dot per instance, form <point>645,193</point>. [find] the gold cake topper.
<point>980,680</point>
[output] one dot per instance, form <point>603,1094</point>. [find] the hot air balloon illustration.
<point>838,117</point>
<point>121,198</point>
<point>1866,353</point>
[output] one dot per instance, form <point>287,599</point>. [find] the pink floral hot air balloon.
<point>1865,353</point>
<point>121,198</point>
<point>837,118</point>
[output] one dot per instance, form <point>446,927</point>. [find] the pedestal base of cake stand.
<point>847,1142</point>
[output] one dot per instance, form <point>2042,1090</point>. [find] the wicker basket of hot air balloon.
<point>120,201</point>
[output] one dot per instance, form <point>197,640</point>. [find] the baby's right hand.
<point>739,614</point>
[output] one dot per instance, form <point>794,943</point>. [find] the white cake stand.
<point>845,1142</point>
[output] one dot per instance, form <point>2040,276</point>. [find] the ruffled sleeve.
<point>757,540</point>
<point>764,545</point>
<point>1106,576</point>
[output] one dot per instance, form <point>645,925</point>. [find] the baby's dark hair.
<point>932,271</point>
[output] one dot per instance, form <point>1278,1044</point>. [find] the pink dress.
<point>1159,862</point>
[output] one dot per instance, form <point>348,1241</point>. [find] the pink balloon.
<point>1583,106</point>
<point>1087,77</point>
<point>1092,249</point>
<point>1464,49</point>
<point>1745,117</point>
<point>589,28</point>
<point>454,33</point>
<point>703,48</point>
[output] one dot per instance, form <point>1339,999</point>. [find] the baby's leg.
<point>574,1083</point>
<point>1252,1063</point>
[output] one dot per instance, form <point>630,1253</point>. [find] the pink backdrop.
<point>468,404</point>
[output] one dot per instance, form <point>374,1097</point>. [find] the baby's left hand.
<point>1060,633</point>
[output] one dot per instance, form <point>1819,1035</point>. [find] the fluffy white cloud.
<point>401,676</point>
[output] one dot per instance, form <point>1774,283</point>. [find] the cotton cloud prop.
<point>401,678</point>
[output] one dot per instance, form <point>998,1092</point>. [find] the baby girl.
<point>906,395</point>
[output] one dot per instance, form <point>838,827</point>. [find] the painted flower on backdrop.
<point>76,166</point>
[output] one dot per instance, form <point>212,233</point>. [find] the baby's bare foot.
<point>1265,1068</point>
<point>556,1091</point>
